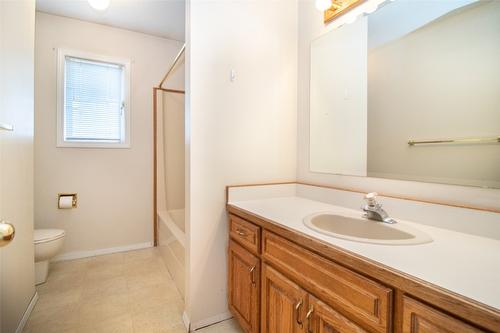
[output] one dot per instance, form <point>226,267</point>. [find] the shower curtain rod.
<point>172,68</point>
<point>168,90</point>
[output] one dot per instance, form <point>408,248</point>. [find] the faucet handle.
<point>371,198</point>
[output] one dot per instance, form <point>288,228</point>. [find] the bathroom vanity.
<point>283,276</point>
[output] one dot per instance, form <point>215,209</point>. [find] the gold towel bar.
<point>490,139</point>
<point>6,127</point>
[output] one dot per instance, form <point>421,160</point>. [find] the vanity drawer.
<point>245,233</point>
<point>360,299</point>
<point>420,318</point>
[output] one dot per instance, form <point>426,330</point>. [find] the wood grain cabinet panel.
<point>420,318</point>
<point>294,284</point>
<point>245,233</point>
<point>355,296</point>
<point>323,319</point>
<point>283,303</point>
<point>244,293</point>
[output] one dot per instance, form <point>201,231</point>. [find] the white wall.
<point>17,274</point>
<point>339,100</point>
<point>310,27</point>
<point>114,186</point>
<point>240,132</point>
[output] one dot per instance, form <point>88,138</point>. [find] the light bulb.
<point>99,4</point>
<point>323,4</point>
<point>372,8</point>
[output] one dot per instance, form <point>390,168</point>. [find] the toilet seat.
<point>47,235</point>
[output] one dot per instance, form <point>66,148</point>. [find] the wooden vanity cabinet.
<point>283,303</point>
<point>278,285</point>
<point>245,233</point>
<point>287,308</point>
<point>322,318</point>
<point>244,285</point>
<point>353,295</point>
<point>420,318</point>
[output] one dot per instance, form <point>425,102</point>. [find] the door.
<point>244,287</point>
<point>17,28</point>
<point>283,303</point>
<point>321,318</point>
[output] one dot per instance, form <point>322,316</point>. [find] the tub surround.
<point>465,247</point>
<point>171,244</point>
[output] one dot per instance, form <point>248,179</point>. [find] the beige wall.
<point>114,186</point>
<point>17,276</point>
<point>438,82</point>
<point>239,132</point>
<point>311,27</point>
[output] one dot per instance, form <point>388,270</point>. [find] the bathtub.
<point>171,243</point>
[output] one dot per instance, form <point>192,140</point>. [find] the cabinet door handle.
<point>252,271</point>
<point>297,312</point>
<point>241,232</point>
<point>309,319</point>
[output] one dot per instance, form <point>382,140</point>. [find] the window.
<point>93,103</point>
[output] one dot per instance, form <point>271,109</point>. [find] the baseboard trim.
<point>27,313</point>
<point>210,321</point>
<point>93,253</point>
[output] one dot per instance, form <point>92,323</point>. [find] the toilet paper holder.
<point>74,200</point>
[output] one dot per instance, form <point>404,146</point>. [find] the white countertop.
<point>465,264</point>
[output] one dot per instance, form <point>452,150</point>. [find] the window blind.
<point>93,102</point>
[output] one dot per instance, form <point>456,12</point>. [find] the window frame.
<point>62,53</point>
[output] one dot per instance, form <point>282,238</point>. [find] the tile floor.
<point>129,292</point>
<point>228,326</point>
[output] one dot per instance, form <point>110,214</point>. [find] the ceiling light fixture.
<point>99,4</point>
<point>323,4</point>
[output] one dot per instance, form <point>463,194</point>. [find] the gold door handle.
<point>297,310</point>
<point>7,233</point>
<point>241,232</point>
<point>309,319</point>
<point>252,271</point>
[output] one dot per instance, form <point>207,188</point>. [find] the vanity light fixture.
<point>334,8</point>
<point>100,5</point>
<point>323,4</point>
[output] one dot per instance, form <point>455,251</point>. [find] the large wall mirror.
<point>411,91</point>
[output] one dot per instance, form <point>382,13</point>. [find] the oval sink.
<point>363,230</point>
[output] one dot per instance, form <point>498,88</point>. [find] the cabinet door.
<point>348,292</point>
<point>283,303</point>
<point>420,318</point>
<point>321,318</point>
<point>244,277</point>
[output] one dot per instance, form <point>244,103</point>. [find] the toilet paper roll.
<point>66,202</point>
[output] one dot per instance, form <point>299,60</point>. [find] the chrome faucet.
<point>373,210</point>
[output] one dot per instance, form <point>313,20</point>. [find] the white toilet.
<point>48,242</point>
